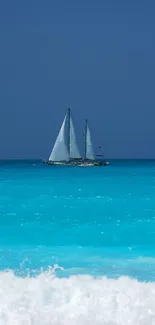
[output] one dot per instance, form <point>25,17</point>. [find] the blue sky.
<point>96,57</point>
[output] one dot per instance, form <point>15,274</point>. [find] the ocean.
<point>77,244</point>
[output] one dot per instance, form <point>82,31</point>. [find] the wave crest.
<point>85,300</point>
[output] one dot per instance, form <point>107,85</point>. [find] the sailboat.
<point>68,153</point>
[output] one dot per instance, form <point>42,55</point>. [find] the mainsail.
<point>89,152</point>
<point>74,150</point>
<point>60,151</point>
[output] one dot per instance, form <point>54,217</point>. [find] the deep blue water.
<point>88,220</point>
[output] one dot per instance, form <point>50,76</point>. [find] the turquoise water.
<point>80,225</point>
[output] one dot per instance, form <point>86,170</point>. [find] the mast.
<point>85,152</point>
<point>69,140</point>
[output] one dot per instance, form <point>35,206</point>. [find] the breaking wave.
<point>82,299</point>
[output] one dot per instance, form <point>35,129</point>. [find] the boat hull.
<point>77,163</point>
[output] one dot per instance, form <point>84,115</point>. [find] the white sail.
<point>89,147</point>
<point>74,150</point>
<point>60,151</point>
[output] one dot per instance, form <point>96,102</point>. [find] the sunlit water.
<point>77,244</point>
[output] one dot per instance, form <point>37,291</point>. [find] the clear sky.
<point>96,57</point>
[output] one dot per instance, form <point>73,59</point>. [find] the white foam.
<point>81,300</point>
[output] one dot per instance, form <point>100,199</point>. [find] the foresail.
<point>89,147</point>
<point>60,151</point>
<point>74,150</point>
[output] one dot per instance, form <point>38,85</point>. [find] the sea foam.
<point>83,300</point>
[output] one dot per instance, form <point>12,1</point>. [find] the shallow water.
<point>97,224</point>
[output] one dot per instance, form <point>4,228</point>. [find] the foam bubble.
<point>85,300</point>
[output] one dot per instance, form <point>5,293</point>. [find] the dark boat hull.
<point>77,163</point>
